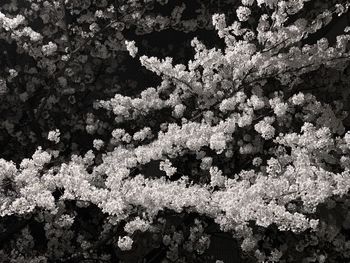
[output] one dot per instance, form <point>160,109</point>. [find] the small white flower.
<point>136,224</point>
<point>266,130</point>
<point>98,144</point>
<point>125,243</point>
<point>118,134</point>
<point>141,135</point>
<point>298,99</point>
<point>243,13</point>
<point>49,49</point>
<point>257,102</point>
<point>314,223</point>
<point>54,136</point>
<point>280,109</point>
<point>167,167</point>
<point>94,27</point>
<point>11,23</point>
<point>347,138</point>
<point>218,142</point>
<point>13,73</point>
<point>216,177</point>
<point>179,110</point>
<point>247,2</point>
<point>218,21</point>
<point>99,13</point>
<point>131,47</point>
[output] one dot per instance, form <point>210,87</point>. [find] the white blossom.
<point>125,243</point>
<point>167,167</point>
<point>54,136</point>
<point>298,99</point>
<point>131,47</point>
<point>247,2</point>
<point>216,177</point>
<point>266,130</point>
<point>11,23</point>
<point>136,224</point>
<point>243,13</point>
<point>49,49</point>
<point>98,144</point>
<point>218,142</point>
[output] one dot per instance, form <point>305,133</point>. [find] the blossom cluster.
<point>243,139</point>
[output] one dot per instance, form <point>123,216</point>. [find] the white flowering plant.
<point>165,131</point>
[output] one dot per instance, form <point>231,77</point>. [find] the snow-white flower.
<point>49,49</point>
<point>11,23</point>
<point>98,144</point>
<point>131,47</point>
<point>266,130</point>
<point>136,224</point>
<point>298,99</point>
<point>125,243</point>
<point>218,142</point>
<point>13,73</point>
<point>243,13</point>
<point>247,2</point>
<point>54,136</point>
<point>179,110</point>
<point>167,167</point>
<point>216,177</point>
